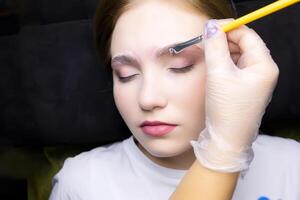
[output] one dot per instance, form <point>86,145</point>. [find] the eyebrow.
<point>130,60</point>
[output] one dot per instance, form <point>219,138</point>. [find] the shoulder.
<point>277,149</point>
<point>85,161</point>
<point>78,172</point>
<point>274,171</point>
<point>273,143</point>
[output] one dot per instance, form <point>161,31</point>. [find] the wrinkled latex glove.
<point>241,77</point>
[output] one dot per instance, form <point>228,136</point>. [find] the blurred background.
<point>56,98</point>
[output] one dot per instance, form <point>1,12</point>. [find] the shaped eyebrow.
<point>126,59</point>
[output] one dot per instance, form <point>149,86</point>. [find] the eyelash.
<point>176,70</point>
<point>183,69</point>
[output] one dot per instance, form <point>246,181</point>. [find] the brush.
<point>266,10</point>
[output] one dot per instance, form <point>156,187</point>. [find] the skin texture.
<point>157,92</point>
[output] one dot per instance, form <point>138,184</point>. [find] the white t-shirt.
<point>121,171</point>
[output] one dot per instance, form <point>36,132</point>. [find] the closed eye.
<point>126,79</point>
<point>176,70</point>
<point>182,69</point>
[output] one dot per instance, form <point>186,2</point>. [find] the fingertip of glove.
<point>210,29</point>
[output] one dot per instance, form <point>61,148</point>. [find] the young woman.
<point>194,116</point>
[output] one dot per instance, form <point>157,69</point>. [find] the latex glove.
<point>241,77</point>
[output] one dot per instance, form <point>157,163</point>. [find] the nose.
<point>151,95</point>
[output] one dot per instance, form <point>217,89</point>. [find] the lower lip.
<point>158,130</point>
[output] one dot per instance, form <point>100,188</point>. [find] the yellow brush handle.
<point>273,7</point>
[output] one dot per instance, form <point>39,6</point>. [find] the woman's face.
<point>159,87</point>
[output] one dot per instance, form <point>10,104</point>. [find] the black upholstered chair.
<point>56,97</point>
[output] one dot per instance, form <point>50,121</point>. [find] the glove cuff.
<point>220,158</point>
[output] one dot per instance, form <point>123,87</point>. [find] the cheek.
<point>190,90</point>
<point>195,94</point>
<point>190,96</point>
<point>124,98</point>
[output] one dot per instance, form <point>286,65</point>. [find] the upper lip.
<point>154,123</point>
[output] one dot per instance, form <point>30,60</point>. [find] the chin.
<point>164,151</point>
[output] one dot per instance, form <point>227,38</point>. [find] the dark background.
<point>54,91</point>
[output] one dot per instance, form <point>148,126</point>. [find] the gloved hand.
<point>241,77</point>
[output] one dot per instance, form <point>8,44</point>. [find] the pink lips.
<point>157,128</point>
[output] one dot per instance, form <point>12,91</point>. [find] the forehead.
<point>148,25</point>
